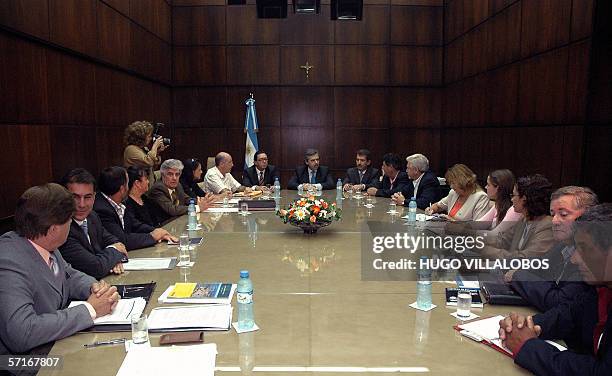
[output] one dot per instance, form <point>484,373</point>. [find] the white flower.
<point>300,214</point>
<point>323,214</point>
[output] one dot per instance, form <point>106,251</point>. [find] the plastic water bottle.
<point>339,185</point>
<point>277,187</point>
<point>191,211</point>
<point>244,297</point>
<point>423,285</point>
<point>412,209</point>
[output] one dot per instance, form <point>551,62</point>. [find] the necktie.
<point>313,177</point>
<point>261,178</point>
<point>174,198</point>
<point>53,265</point>
<point>604,298</point>
<point>361,173</point>
<point>85,228</point>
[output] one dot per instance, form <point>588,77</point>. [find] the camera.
<point>156,135</point>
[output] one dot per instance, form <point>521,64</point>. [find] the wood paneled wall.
<point>516,79</point>
<point>73,74</point>
<point>375,83</point>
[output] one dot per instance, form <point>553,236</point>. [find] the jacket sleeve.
<point>97,265</point>
<point>329,181</point>
<point>428,194</point>
<point>246,179</point>
<point>544,294</point>
<point>482,206</point>
<point>135,156</point>
<point>21,327</point>
<point>294,181</point>
<point>156,195</point>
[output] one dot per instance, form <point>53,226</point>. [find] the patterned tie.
<point>361,173</point>
<point>53,265</point>
<point>174,198</point>
<point>261,178</point>
<point>313,177</point>
<point>85,228</point>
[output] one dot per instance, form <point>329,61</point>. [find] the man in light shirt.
<point>36,284</point>
<point>219,180</point>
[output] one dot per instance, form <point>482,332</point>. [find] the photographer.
<point>138,136</point>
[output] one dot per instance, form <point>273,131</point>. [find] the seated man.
<point>113,190</point>
<point>585,324</point>
<point>362,174</point>
<point>219,179</point>
<point>425,185</point>
<point>561,282</point>
<point>261,174</point>
<point>168,195</point>
<point>89,247</point>
<point>312,174</point>
<point>394,180</point>
<point>36,284</point>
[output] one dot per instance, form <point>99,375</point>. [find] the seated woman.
<point>137,202</point>
<point>191,176</point>
<point>532,236</point>
<point>466,201</point>
<point>501,217</point>
<point>137,138</point>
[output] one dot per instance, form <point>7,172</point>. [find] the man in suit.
<point>89,247</point>
<point>261,174</point>
<point>113,190</point>
<point>168,196</point>
<point>36,284</point>
<point>362,174</point>
<point>312,174</point>
<point>424,186</point>
<point>394,180</point>
<point>561,282</point>
<point>584,323</point>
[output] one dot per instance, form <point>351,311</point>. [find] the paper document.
<point>230,201</point>
<point>208,317</point>
<point>148,263</point>
<point>174,360</point>
<point>205,293</point>
<point>222,210</point>
<point>123,311</point>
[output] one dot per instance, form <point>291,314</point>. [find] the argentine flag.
<point>251,129</point>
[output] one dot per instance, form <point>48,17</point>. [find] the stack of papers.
<point>200,317</point>
<point>176,360</point>
<point>150,263</point>
<point>123,312</point>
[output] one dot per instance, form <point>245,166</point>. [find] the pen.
<point>102,343</point>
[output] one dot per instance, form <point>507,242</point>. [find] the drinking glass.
<point>464,303</point>
<point>140,329</point>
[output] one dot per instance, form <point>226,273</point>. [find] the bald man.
<point>219,179</point>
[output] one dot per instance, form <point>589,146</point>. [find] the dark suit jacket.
<point>300,176</point>
<point>370,177</point>
<point>95,258</point>
<point>560,283</point>
<point>386,190</point>
<point>33,302</point>
<point>251,178</point>
<point>143,213</point>
<point>192,189</point>
<point>164,208</point>
<point>134,234</point>
<point>428,192</point>
<point>573,322</point>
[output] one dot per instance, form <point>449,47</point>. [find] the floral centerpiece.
<point>310,214</point>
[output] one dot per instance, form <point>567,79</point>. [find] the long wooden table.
<point>317,316</point>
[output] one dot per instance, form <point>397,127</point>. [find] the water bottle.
<point>339,185</point>
<point>412,209</point>
<point>277,187</point>
<point>191,211</point>
<point>423,285</point>
<point>244,297</point>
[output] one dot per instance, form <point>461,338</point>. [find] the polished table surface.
<point>313,308</point>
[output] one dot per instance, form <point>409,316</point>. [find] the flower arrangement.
<point>309,213</point>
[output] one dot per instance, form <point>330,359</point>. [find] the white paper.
<point>122,313</point>
<point>420,217</point>
<point>230,201</point>
<point>222,210</point>
<point>416,306</point>
<point>238,330</point>
<point>174,360</point>
<point>472,316</point>
<point>148,263</point>
<point>210,317</point>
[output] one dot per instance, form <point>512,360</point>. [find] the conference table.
<point>317,316</point>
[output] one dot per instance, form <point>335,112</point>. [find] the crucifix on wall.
<point>307,67</point>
